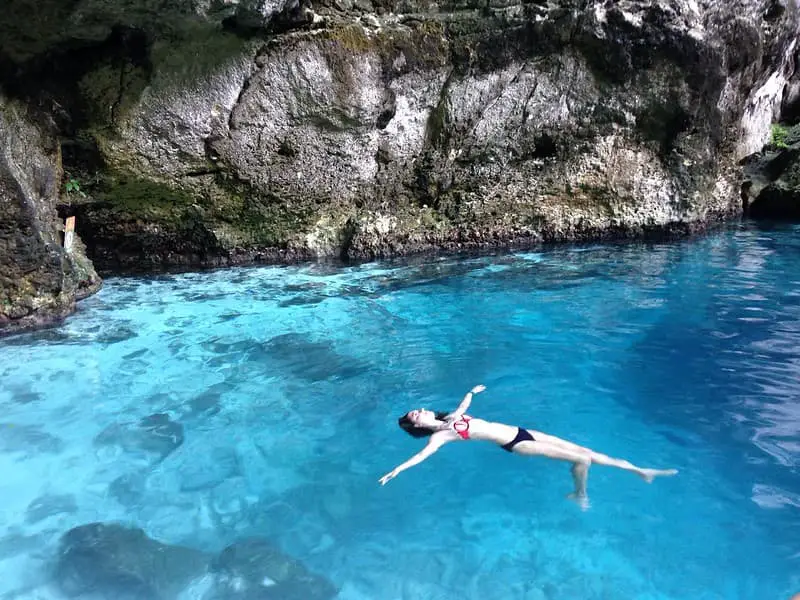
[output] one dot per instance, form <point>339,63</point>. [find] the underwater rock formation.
<point>108,560</point>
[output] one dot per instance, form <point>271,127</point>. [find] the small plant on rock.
<point>73,188</point>
<point>778,137</point>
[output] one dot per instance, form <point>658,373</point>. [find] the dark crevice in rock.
<point>790,102</point>
<point>389,109</point>
<point>245,86</point>
<point>544,147</point>
<point>663,123</point>
<point>526,111</point>
<point>775,10</point>
<point>84,87</point>
<point>775,203</point>
<point>435,129</point>
<point>202,172</point>
<point>286,149</point>
<point>744,194</point>
<point>348,235</point>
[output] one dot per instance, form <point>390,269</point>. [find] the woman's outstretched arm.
<point>436,441</point>
<point>464,406</point>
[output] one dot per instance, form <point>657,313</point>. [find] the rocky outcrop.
<point>220,132</point>
<point>771,188</point>
<point>39,280</point>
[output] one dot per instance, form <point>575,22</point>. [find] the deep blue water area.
<point>262,402</point>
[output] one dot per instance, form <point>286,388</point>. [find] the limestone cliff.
<point>208,132</point>
<point>39,280</point>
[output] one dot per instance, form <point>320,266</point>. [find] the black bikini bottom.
<point>523,435</point>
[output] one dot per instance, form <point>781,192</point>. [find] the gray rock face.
<point>39,280</point>
<point>274,130</point>
<point>75,22</point>
<point>416,130</point>
<point>772,179</point>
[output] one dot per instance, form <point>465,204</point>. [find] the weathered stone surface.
<point>771,187</point>
<point>227,132</point>
<point>61,23</point>
<point>39,280</point>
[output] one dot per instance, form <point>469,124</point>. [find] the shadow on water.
<point>720,370</point>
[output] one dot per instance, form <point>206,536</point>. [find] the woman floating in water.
<point>450,427</point>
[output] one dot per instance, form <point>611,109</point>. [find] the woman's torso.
<point>467,427</point>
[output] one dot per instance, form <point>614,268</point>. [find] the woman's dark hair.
<point>418,432</point>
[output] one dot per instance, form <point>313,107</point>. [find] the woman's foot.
<point>581,500</point>
<point>649,474</point>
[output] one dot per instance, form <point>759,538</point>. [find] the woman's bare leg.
<point>581,461</point>
<point>647,474</point>
<point>602,459</point>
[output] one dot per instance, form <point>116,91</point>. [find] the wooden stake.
<point>69,233</point>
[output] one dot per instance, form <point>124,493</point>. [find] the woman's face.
<point>423,418</point>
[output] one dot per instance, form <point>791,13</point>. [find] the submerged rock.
<point>28,439</point>
<point>116,562</point>
<point>254,569</point>
<point>306,358</point>
<point>155,435</point>
<point>110,561</point>
<point>49,505</point>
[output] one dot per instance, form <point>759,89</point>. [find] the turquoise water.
<point>288,381</point>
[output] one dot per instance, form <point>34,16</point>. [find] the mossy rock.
<point>110,91</point>
<point>142,198</point>
<point>252,217</point>
<point>197,52</point>
<point>425,45</point>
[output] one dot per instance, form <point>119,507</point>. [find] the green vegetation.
<point>251,217</point>
<point>142,198</point>
<point>73,187</point>
<point>778,137</point>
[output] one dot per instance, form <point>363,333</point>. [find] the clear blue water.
<point>288,382</point>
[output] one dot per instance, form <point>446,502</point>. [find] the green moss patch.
<point>252,218</point>
<point>142,198</point>
<point>195,53</point>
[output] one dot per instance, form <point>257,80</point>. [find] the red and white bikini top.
<point>461,426</point>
